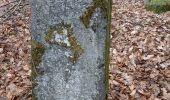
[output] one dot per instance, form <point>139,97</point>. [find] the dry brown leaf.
<point>26,67</point>
<point>133,92</point>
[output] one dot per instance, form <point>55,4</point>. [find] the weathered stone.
<point>72,66</point>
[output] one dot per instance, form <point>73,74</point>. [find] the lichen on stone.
<point>62,34</point>
<point>37,51</point>
<point>102,4</point>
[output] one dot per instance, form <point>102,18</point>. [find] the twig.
<point>8,3</point>
<point>8,11</point>
<point>1,22</point>
<point>3,42</point>
<point>164,60</point>
<point>15,7</point>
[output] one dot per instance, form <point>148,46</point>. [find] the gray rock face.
<point>72,65</point>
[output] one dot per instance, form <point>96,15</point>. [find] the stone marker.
<point>69,48</point>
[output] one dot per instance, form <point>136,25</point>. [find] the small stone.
<point>114,51</point>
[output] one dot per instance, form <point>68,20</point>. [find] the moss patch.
<point>49,36</point>
<point>107,47</point>
<point>102,4</point>
<point>37,52</point>
<point>158,6</point>
<point>76,48</point>
<point>62,34</point>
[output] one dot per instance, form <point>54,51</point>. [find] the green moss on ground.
<point>59,29</point>
<point>102,4</point>
<point>158,6</point>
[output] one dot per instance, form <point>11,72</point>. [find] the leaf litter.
<point>15,72</point>
<point>139,53</point>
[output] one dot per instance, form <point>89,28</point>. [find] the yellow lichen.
<point>59,29</point>
<point>76,48</point>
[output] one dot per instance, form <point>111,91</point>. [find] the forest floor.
<point>140,53</point>
<point>15,71</point>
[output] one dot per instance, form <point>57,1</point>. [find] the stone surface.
<point>72,66</point>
